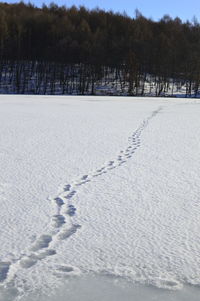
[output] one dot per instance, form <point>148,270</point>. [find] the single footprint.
<point>4,268</point>
<point>58,220</point>
<point>42,243</point>
<point>28,262</point>
<point>31,260</point>
<point>71,210</point>
<point>67,187</point>
<point>66,233</point>
<point>59,201</point>
<point>70,195</point>
<point>65,269</point>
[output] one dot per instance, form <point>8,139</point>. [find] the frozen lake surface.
<point>99,186</point>
<point>98,288</point>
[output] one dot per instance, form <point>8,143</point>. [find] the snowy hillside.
<point>50,79</point>
<point>98,185</point>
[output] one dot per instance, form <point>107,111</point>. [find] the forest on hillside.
<point>60,50</point>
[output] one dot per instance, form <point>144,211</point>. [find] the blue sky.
<point>185,9</point>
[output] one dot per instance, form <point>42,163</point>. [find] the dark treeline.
<point>59,50</point>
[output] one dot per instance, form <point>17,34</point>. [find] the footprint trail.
<point>62,226</point>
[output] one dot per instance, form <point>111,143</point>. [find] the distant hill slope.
<point>80,48</point>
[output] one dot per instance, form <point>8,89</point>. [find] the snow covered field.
<point>100,186</point>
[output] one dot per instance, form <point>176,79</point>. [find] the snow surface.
<point>98,185</point>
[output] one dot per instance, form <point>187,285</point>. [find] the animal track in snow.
<point>42,242</point>
<point>65,211</point>
<point>28,262</point>
<point>70,195</point>
<point>4,268</point>
<point>59,202</point>
<point>66,233</point>
<point>58,220</point>
<point>71,210</point>
<point>66,271</point>
<point>67,187</point>
<point>31,260</point>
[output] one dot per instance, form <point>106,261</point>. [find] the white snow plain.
<point>101,186</point>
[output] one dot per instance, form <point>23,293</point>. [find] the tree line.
<point>60,50</point>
